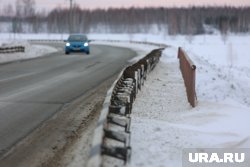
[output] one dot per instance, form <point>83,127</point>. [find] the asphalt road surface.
<point>33,91</point>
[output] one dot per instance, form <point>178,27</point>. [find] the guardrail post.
<point>136,81</point>
<point>139,78</point>
<point>142,74</point>
<point>148,66</point>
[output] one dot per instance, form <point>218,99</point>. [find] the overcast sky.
<point>49,4</point>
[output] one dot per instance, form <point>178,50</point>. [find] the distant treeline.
<point>191,21</point>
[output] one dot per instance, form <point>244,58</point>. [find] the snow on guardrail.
<point>112,133</point>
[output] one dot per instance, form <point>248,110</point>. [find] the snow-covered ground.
<point>31,51</point>
<point>163,123</point>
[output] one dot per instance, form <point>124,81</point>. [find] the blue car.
<point>77,43</point>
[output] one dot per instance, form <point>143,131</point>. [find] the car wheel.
<point>87,53</point>
<point>66,53</point>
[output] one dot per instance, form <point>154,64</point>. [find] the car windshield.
<point>77,38</point>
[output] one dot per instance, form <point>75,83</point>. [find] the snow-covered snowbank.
<point>31,51</point>
<point>163,123</point>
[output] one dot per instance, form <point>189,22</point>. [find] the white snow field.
<point>163,123</point>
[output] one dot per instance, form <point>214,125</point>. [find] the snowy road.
<point>32,91</point>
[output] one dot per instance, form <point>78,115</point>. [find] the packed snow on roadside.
<point>163,123</point>
<point>31,51</point>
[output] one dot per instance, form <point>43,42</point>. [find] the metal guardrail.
<point>188,73</point>
<point>116,112</point>
<point>160,45</point>
<point>46,40</point>
<point>12,49</point>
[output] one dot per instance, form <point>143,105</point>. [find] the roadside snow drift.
<point>163,123</point>
<point>31,51</point>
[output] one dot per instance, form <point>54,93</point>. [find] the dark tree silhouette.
<point>189,21</point>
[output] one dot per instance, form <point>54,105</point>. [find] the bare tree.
<point>28,8</point>
<point>17,22</point>
<point>8,10</point>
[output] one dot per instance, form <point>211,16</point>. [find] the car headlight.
<point>86,44</point>
<point>67,44</point>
